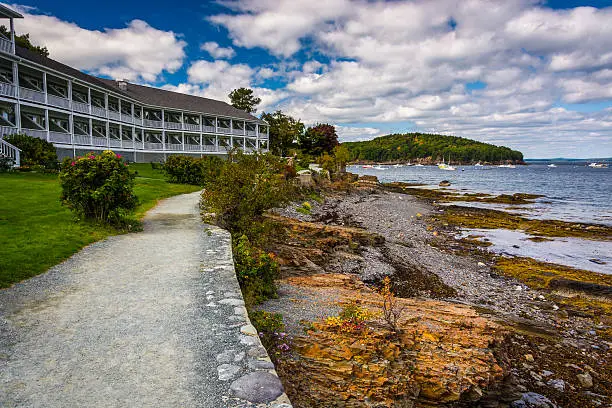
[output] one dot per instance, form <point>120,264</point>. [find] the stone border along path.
<point>151,319</point>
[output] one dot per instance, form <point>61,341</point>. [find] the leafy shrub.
<point>271,331</point>
<point>352,319</point>
<point>246,187</point>
<point>34,151</point>
<point>6,164</point>
<point>192,170</point>
<point>256,271</point>
<point>98,187</point>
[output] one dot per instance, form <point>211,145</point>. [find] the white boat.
<point>552,165</point>
<point>599,165</point>
<point>398,165</point>
<point>367,166</point>
<point>507,166</point>
<point>478,165</point>
<point>418,165</point>
<point>379,167</point>
<point>444,166</point>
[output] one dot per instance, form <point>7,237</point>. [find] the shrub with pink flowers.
<point>98,187</point>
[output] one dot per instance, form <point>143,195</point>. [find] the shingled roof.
<point>144,94</point>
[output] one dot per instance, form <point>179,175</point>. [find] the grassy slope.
<point>36,232</point>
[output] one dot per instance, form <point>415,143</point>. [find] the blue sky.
<point>532,75</point>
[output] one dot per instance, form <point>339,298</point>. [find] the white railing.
<point>238,132</point>
<point>114,115</point>
<point>209,148</point>
<point>128,144</point>
<point>31,95</point>
<point>209,129</point>
<point>138,145</point>
<point>82,140</point>
<point>10,151</point>
<point>250,133</point>
<point>59,137</point>
<point>152,123</point>
<point>192,147</point>
<point>153,146</point>
<point>98,111</point>
<point>174,146</point>
<point>173,125</point>
<point>6,46</point>
<point>80,107</point>
<point>127,118</point>
<point>7,89</point>
<point>191,126</point>
<point>58,101</point>
<point>99,141</point>
<point>138,121</point>
<point>224,130</point>
<point>114,142</point>
<point>7,130</point>
<point>41,134</point>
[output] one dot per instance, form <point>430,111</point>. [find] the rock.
<point>258,387</point>
<point>547,373</point>
<point>249,330</point>
<point>529,357</point>
<point>232,302</point>
<point>586,381</point>
<point>481,264</point>
<point>227,371</point>
<point>558,385</point>
<point>597,261</point>
<point>518,287</point>
<point>445,183</point>
<point>533,400</point>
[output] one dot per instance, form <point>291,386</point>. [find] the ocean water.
<point>575,193</point>
<point>572,192</point>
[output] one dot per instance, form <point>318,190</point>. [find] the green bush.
<point>34,151</point>
<point>271,331</point>
<point>247,186</point>
<point>98,187</point>
<point>192,170</point>
<point>6,164</point>
<point>256,271</point>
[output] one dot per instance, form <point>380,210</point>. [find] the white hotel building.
<point>79,113</point>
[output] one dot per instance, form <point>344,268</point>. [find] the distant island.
<point>429,149</point>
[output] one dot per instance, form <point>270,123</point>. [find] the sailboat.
<point>444,166</point>
<point>478,164</point>
<point>598,165</point>
<point>552,165</point>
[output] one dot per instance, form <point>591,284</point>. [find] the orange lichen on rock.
<point>440,353</point>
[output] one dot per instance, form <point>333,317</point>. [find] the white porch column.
<point>163,120</point>
<point>12,24</point>
<point>17,104</point>
<point>89,100</point>
<point>47,123</point>
<point>90,131</point>
<point>45,87</point>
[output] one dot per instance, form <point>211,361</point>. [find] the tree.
<point>24,42</point>
<point>284,131</point>
<point>243,98</point>
<point>319,139</point>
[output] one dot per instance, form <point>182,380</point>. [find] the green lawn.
<point>36,232</point>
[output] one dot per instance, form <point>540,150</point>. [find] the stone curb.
<point>244,368</point>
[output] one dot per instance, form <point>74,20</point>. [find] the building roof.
<point>6,12</point>
<point>144,94</point>
<point>177,100</point>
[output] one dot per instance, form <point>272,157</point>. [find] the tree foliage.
<point>24,42</point>
<point>192,170</point>
<point>34,151</point>
<point>318,139</point>
<point>412,146</point>
<point>284,131</point>
<point>243,98</point>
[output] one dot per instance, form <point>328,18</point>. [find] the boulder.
<point>533,400</point>
<point>586,381</point>
<point>445,183</point>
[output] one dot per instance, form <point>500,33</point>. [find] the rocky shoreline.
<point>526,347</point>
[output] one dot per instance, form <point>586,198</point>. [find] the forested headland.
<point>429,148</point>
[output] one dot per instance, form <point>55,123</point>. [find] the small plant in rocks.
<point>272,333</point>
<point>99,187</point>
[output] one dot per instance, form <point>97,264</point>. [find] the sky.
<point>532,75</point>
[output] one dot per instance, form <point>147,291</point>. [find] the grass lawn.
<point>37,232</point>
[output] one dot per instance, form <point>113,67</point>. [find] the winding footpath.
<point>150,319</point>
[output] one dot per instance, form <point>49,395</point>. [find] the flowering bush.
<point>256,271</point>
<point>271,331</point>
<point>98,187</point>
<point>352,319</point>
<point>34,151</point>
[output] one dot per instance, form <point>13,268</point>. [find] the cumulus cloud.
<point>216,51</point>
<point>413,61</point>
<point>137,52</point>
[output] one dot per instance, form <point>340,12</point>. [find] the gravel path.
<point>153,319</point>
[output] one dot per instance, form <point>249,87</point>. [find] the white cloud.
<point>216,51</point>
<point>137,52</point>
